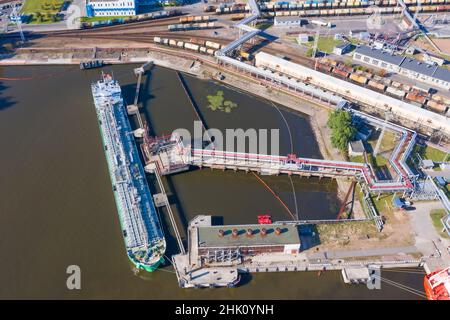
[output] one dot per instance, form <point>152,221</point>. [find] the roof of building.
<point>357,146</point>
<point>288,18</point>
<point>380,55</point>
<point>343,45</point>
<point>357,31</point>
<point>427,163</point>
<point>209,236</point>
<point>406,63</point>
<point>419,67</point>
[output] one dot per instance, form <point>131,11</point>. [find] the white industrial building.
<point>352,91</point>
<point>414,69</point>
<point>287,21</point>
<point>106,8</point>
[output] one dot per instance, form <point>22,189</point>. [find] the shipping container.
<point>441,99</point>
<point>359,79</point>
<point>436,106</point>
<point>340,72</point>
<point>376,85</point>
<point>416,98</point>
<point>323,67</point>
<point>213,45</point>
<point>398,93</point>
<point>191,46</point>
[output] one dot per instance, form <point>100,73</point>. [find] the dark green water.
<point>57,206</point>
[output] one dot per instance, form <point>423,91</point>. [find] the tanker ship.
<point>141,228</point>
<point>437,285</point>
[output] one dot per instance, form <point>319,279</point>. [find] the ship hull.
<point>157,260</point>
<point>147,267</point>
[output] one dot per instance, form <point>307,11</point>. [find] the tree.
<point>342,129</point>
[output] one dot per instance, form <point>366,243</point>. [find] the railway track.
<point>147,37</point>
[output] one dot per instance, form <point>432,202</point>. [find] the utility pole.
<point>316,41</point>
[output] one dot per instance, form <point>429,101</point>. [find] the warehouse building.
<point>414,69</point>
<point>287,21</point>
<point>230,243</point>
<point>106,8</point>
<point>342,48</point>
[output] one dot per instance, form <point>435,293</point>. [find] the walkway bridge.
<point>173,155</point>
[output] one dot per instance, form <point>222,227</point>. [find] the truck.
<point>321,23</point>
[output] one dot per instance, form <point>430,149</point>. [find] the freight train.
<point>197,45</point>
<point>194,19</point>
<point>414,95</point>
<point>191,26</point>
<point>332,8</point>
<point>139,17</point>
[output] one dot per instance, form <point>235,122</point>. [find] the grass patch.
<point>42,11</point>
<point>378,161</point>
<point>388,142</point>
<point>359,159</point>
<point>345,232</point>
<point>325,44</point>
<point>263,25</point>
<point>383,204</point>
<point>93,19</point>
<point>427,152</point>
<point>436,216</point>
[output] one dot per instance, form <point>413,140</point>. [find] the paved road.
<point>427,238</point>
<point>362,253</point>
<point>442,173</point>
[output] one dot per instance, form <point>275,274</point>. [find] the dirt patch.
<point>364,234</point>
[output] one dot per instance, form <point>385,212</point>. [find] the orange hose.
<point>274,194</point>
